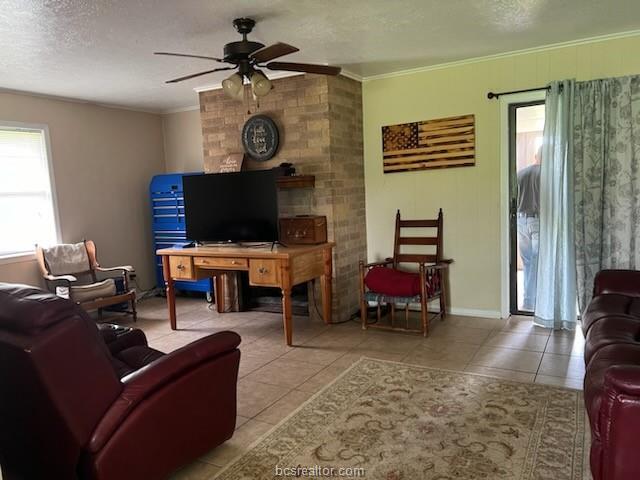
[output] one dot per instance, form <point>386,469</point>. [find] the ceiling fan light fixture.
<point>232,86</point>
<point>260,85</point>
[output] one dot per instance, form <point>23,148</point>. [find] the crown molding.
<point>351,75</point>
<point>81,101</point>
<point>190,108</point>
<point>513,53</point>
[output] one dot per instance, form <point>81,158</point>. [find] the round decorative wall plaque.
<point>260,137</point>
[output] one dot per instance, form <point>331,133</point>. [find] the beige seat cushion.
<point>86,293</point>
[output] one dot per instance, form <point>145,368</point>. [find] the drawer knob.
<point>234,262</point>
<point>181,267</point>
<point>263,270</point>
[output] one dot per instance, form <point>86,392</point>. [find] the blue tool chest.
<point>169,228</point>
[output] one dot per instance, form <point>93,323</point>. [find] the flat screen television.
<point>231,207</point>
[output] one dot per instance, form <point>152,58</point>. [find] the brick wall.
<point>347,183</point>
<point>320,124</point>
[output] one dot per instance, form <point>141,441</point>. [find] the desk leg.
<point>219,286</point>
<point>170,291</point>
<point>325,283</point>
<point>285,274</point>
<point>286,315</point>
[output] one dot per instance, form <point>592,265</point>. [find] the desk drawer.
<point>264,272</point>
<point>181,267</point>
<point>223,263</point>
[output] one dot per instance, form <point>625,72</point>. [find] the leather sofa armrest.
<point>622,379</point>
<point>619,422</point>
<point>625,282</point>
<point>143,383</point>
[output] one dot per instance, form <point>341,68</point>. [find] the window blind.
<point>26,201</point>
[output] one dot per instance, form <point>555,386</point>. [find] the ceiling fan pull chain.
<point>247,100</point>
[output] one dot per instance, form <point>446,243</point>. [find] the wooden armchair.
<point>75,267</point>
<point>385,283</point>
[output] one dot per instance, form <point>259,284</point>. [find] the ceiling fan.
<point>248,58</point>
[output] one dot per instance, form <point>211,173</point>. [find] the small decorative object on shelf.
<point>285,170</point>
<point>260,137</point>
<point>231,163</point>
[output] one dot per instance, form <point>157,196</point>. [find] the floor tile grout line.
<point>295,387</point>
<point>357,343</point>
<point>271,404</point>
<point>539,363</point>
<point>541,359</point>
<point>505,347</point>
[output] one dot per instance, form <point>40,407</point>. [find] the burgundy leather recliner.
<point>65,411</point>
<point>611,324</point>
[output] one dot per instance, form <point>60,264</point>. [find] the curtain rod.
<point>492,95</point>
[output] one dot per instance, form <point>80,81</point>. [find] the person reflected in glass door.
<point>529,227</point>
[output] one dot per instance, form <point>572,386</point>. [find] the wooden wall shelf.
<point>297,181</point>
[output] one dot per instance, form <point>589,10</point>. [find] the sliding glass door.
<point>526,124</point>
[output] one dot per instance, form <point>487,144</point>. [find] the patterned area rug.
<point>392,421</point>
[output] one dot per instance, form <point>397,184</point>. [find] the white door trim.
<point>505,101</point>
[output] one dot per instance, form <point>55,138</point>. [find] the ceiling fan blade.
<point>193,75</point>
<point>304,67</point>
<point>187,55</point>
<point>273,51</point>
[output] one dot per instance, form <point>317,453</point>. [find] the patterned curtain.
<point>606,149</point>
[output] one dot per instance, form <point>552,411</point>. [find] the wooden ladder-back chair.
<point>75,267</point>
<point>386,283</point>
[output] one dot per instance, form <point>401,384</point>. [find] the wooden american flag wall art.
<point>440,143</point>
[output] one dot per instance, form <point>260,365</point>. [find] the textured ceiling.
<point>101,50</point>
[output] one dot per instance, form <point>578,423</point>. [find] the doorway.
<point>526,125</point>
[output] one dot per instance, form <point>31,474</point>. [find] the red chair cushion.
<point>394,283</point>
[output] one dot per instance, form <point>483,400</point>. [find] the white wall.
<point>103,159</point>
<point>469,196</point>
<point>182,133</point>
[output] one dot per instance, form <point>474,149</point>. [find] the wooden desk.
<point>282,267</point>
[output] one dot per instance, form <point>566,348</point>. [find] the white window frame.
<point>44,129</point>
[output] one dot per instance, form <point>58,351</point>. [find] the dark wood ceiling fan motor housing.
<point>247,56</point>
<point>237,52</point>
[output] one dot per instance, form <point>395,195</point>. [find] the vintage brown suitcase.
<point>304,229</point>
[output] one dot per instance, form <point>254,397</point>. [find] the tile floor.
<point>275,379</point>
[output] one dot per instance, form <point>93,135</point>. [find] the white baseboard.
<point>472,312</point>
